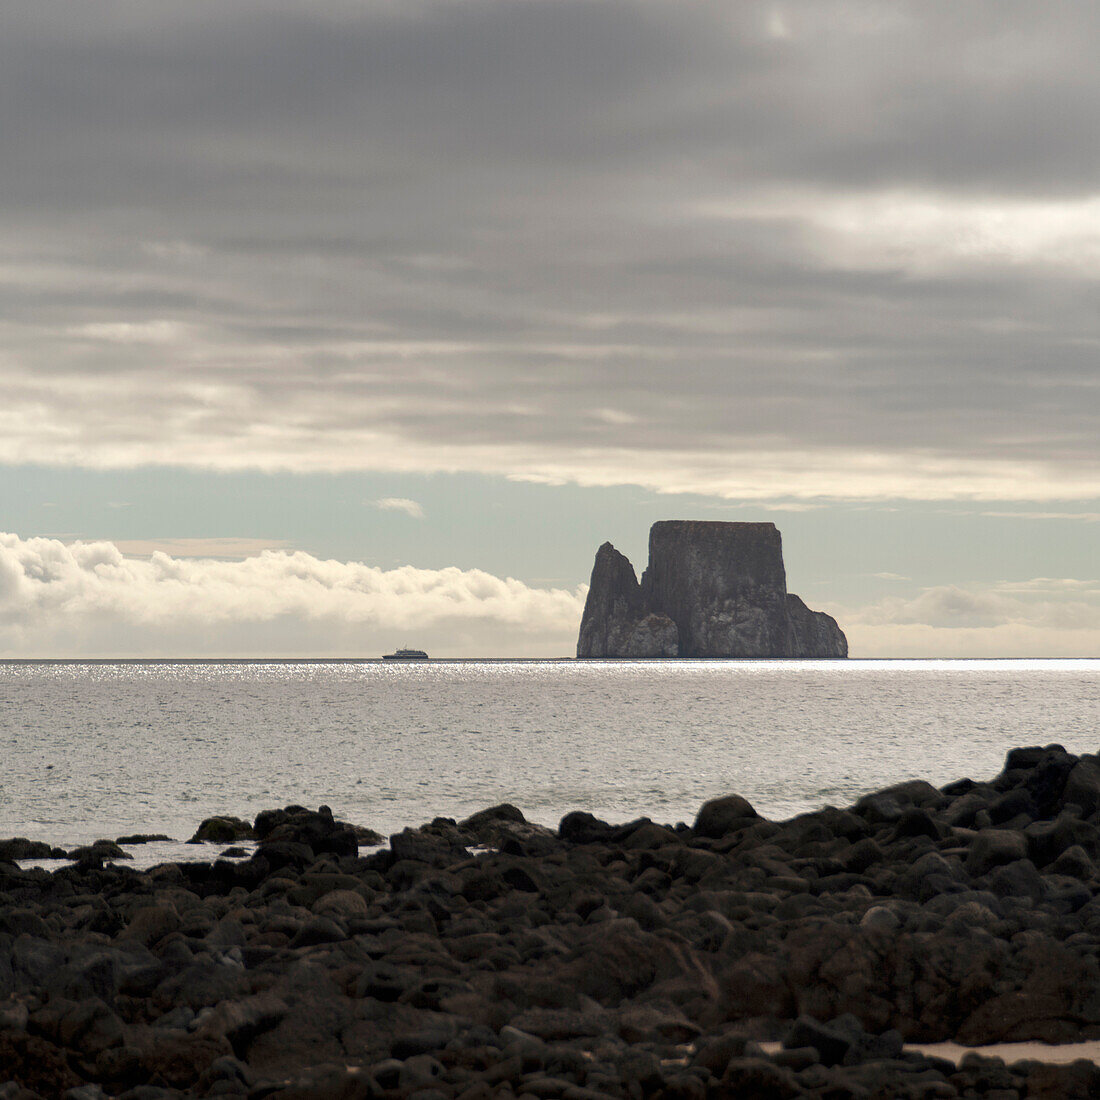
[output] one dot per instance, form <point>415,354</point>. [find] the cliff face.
<point>813,633</point>
<point>615,621</point>
<point>710,590</point>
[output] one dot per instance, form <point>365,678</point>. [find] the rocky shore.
<point>498,958</point>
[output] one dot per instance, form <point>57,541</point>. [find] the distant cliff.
<point>710,590</point>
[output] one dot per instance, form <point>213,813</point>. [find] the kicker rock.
<point>710,590</point>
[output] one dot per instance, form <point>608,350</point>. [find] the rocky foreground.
<point>634,961</point>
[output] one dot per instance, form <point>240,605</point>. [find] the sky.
<point>336,326</point>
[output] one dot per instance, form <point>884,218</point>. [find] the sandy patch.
<point>1061,1054</point>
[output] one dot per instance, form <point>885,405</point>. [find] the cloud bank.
<point>89,599</point>
<point>1040,617</point>
<point>803,248</point>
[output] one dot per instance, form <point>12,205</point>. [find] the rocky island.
<point>710,590</point>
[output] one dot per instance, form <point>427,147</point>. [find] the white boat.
<point>406,655</point>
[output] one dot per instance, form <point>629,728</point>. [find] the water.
<point>94,749</point>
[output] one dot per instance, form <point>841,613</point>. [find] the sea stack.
<point>710,590</point>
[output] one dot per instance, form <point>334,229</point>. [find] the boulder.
<point>19,847</point>
<point>720,816</point>
<point>222,829</point>
<point>317,830</point>
<point>1083,786</point>
<point>831,1044</point>
<point>993,847</point>
<point>581,827</point>
<point>99,851</point>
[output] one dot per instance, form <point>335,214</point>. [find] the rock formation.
<point>710,590</point>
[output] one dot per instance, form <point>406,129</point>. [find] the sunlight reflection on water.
<point>104,748</point>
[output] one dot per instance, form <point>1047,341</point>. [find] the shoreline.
<point>496,957</point>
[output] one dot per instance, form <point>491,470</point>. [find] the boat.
<point>406,655</point>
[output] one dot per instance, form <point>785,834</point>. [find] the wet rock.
<point>222,829</point>
<point>99,851</point>
<point>19,847</point>
<point>316,830</point>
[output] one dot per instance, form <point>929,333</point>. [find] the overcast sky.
<point>470,285</point>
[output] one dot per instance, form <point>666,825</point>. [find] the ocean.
<point>105,748</point>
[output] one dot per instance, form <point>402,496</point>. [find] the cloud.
<point>1081,517</point>
<point>225,547</point>
<point>804,249</point>
<point>400,504</point>
<point>91,599</point>
<point>890,577</point>
<point>1043,616</point>
<point>132,332</point>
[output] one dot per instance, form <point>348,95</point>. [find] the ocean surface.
<point>102,749</point>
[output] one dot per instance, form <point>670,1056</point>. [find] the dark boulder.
<point>720,816</point>
<point>580,827</point>
<point>99,851</point>
<point>222,829</point>
<point>19,847</point>
<point>483,824</point>
<point>993,847</point>
<point>831,1045</point>
<point>1083,786</point>
<point>317,830</point>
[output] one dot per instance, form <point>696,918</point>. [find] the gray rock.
<point>85,1092</point>
<point>710,590</point>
